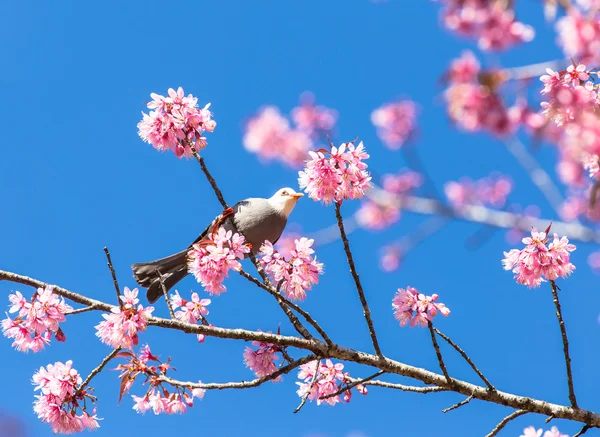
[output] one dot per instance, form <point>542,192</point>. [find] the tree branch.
<point>98,369</point>
<point>312,384</point>
<point>114,277</point>
<point>504,421</point>
<point>565,340</point>
<point>211,180</point>
<point>458,405</point>
<point>438,353</point>
<point>361,293</point>
<point>166,295</point>
<point>353,383</point>
<point>466,357</point>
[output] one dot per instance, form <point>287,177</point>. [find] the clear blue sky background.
<point>76,177</point>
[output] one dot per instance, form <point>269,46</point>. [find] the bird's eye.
<point>284,193</point>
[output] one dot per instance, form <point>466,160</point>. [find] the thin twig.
<point>243,384</point>
<point>565,340</point>
<point>359,289</point>
<point>81,310</point>
<point>312,384</point>
<point>458,405</point>
<point>438,353</point>
<point>582,431</point>
<point>211,180</point>
<point>409,388</point>
<point>166,295</point>
<point>504,421</point>
<point>114,276</point>
<point>466,357</point>
<point>289,303</point>
<point>98,369</point>
<point>354,382</point>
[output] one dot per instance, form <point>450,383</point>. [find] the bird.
<point>257,219</point>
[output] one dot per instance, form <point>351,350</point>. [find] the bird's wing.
<point>229,224</point>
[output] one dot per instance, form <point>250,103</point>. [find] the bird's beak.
<point>296,195</point>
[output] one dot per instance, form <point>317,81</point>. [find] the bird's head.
<point>284,200</point>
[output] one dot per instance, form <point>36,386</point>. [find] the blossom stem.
<point>359,288</point>
<point>312,384</point>
<point>81,310</point>
<point>114,276</point>
<point>466,357</point>
<point>211,180</point>
<point>409,388</point>
<point>565,341</point>
<point>438,353</point>
<point>98,369</point>
<point>505,421</point>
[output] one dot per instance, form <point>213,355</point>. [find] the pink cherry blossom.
<point>414,308</point>
<point>313,119</point>
<point>464,69</point>
<point>592,164</point>
<point>491,191</point>
<point>211,261</point>
<point>192,311</point>
<point>579,35</point>
<point>60,397</point>
<point>121,327</point>
<point>336,175</point>
<point>270,136</point>
<point>176,123</point>
<point>493,24</point>
<point>36,319</point>
<point>390,258</point>
<point>395,122</point>
<point>377,215</point>
<point>297,275</point>
<point>530,431</point>
<point>540,261</point>
<point>262,360</point>
<point>554,432</point>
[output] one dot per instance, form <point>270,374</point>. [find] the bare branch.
<point>582,431</point>
<point>166,295</point>
<point>81,310</point>
<point>211,180</point>
<point>466,357</point>
<point>243,384</point>
<point>504,421</point>
<point>312,384</point>
<point>289,303</point>
<point>438,353</point>
<point>361,293</point>
<point>354,382</point>
<point>423,390</point>
<point>114,276</point>
<point>458,405</point>
<point>565,340</point>
<point>98,369</point>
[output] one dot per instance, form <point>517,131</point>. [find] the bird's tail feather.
<point>172,269</point>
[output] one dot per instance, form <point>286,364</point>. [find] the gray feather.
<point>254,218</point>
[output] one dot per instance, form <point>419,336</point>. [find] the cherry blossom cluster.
<point>579,32</point>
<point>157,398</point>
<point>540,261</point>
<point>60,398</point>
<point>337,174</point>
<point>395,122</point>
<point>296,276</point>
<point>492,191</point>
<point>492,23</point>
<point>175,123</point>
<point>121,327</point>
<point>380,214</point>
<point>414,308</point>
<point>192,311</point>
<point>210,261</point>
<point>329,379</point>
<point>475,103</point>
<point>262,360</point>
<point>36,319</point>
<point>530,431</point>
<point>270,135</point>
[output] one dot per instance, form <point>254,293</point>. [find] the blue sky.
<point>76,177</point>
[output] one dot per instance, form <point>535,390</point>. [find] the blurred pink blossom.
<point>395,122</point>
<point>313,119</point>
<point>579,35</point>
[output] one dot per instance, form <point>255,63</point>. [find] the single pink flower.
<point>262,360</point>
